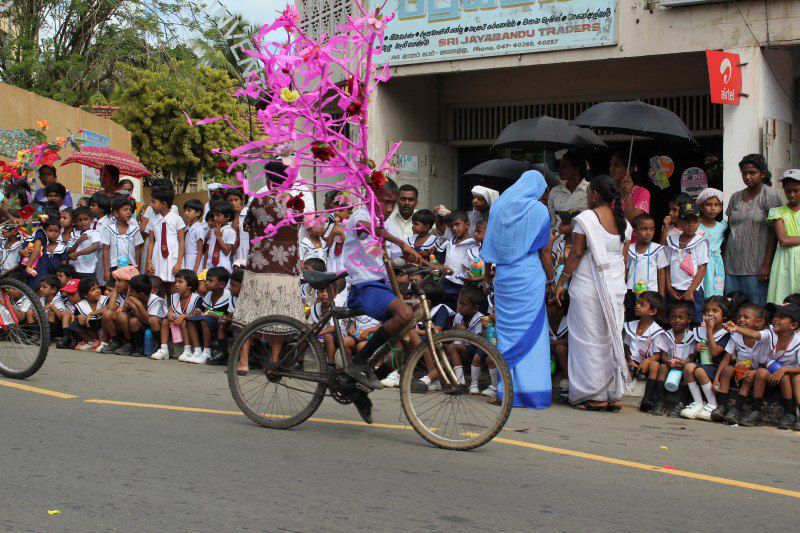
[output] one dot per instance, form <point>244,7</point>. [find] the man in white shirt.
<point>400,218</point>
<point>571,194</point>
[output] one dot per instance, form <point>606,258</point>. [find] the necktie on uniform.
<point>164,248</point>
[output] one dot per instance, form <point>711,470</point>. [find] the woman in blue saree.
<point>517,235</point>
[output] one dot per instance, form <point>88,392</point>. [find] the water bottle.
<point>149,343</point>
<point>705,354</point>
<point>432,260</point>
<point>673,380</point>
<point>491,333</point>
<point>476,268</point>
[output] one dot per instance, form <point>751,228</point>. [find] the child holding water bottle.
<point>675,346</point>
<point>712,340</point>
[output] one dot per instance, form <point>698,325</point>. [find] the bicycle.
<point>24,328</point>
<point>288,376</point>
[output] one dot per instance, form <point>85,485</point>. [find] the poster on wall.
<point>661,169</point>
<point>693,181</point>
<point>445,30</point>
<point>90,177</point>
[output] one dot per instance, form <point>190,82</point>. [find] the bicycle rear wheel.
<point>277,402</point>
<point>452,418</point>
<point>24,330</point>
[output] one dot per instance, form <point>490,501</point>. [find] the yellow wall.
<point>21,109</point>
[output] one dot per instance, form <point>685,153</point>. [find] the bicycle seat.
<point>320,280</point>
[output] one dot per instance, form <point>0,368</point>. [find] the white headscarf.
<point>490,195</point>
<point>710,193</point>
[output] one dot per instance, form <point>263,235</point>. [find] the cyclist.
<point>371,293</point>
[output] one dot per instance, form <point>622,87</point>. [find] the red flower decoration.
<point>354,109</point>
<point>321,150</point>
<point>47,158</point>
<point>377,179</point>
<point>7,171</point>
<point>26,212</point>
<point>296,204</point>
<point>223,165</point>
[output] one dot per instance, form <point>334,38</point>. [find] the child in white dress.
<point>166,238</point>
<point>195,235</point>
<point>222,236</point>
<point>242,245</point>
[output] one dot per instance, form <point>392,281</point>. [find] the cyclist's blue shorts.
<point>371,298</point>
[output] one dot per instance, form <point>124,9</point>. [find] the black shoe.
<point>125,349</point>
<point>658,409</point>
<point>112,347</point>
<point>675,410</point>
<point>718,414</point>
<point>796,426</point>
<point>62,343</point>
<point>363,405</point>
<point>646,406</point>
<point>364,375</point>
<point>218,358</point>
<point>732,416</point>
<point>330,367</point>
<point>751,419</point>
<point>787,421</point>
<point>418,386</point>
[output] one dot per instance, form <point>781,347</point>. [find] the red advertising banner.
<point>725,77</point>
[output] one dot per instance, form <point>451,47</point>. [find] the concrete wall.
<point>646,29</point>
<point>22,109</point>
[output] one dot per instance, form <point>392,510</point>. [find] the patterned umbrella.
<point>98,156</point>
<point>12,141</point>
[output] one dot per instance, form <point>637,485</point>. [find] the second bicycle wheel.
<point>269,399</point>
<point>452,418</point>
<point>24,330</point>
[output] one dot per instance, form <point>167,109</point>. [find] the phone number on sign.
<point>461,51</point>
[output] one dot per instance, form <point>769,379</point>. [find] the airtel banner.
<point>725,77</point>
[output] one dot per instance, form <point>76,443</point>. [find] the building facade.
<point>462,70</point>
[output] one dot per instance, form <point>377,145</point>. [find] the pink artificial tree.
<point>297,90</point>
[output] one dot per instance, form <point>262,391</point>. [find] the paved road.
<point>115,466</point>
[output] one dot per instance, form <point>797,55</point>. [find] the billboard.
<point>90,176</point>
<point>445,30</point>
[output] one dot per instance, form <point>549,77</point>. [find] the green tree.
<point>152,103</point>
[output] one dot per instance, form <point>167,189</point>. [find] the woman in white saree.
<point>595,272</point>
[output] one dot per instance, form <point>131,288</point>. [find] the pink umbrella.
<point>98,156</point>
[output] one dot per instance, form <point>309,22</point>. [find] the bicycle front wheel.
<point>452,417</point>
<point>24,330</point>
<point>266,397</point>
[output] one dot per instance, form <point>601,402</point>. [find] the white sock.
<point>459,370</point>
<point>475,372</point>
<point>187,350</point>
<point>198,352</point>
<point>165,347</point>
<point>426,380</point>
<point>694,388</point>
<point>493,376</point>
<point>709,392</point>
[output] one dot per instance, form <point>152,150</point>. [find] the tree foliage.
<point>152,108</point>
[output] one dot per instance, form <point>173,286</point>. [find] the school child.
<point>559,345</point>
<point>422,240</point>
<point>222,237</point>
<point>183,303</point>
<point>125,187</point>
<point>56,192</point>
<point>67,222</point>
<point>671,226</point>
<point>90,311</point>
<point>335,237</point>
<point>477,268</point>
<point>328,334</point>
<point>70,297</point>
<point>100,207</point>
<point>710,202</point>
<point>116,291</point>
<point>83,252</point>
<point>457,254</point>
<point>52,255</point>
<point>468,317</point>
<point>688,257</point>
<point>207,224</point>
<point>82,202</point>
<point>242,245</point>
<point>313,245</point>
<point>122,240</point>
<point>31,248</point>
<point>144,310</point>
<point>235,287</point>
<point>219,355</point>
<point>23,308</point>
<point>308,294</point>
<point>645,265</point>
<point>52,303</point>
<point>786,219</point>
<point>712,339</point>
<point>195,235</point>
<point>740,362</point>
<point>165,237</point>
<point>780,367</point>
<point>9,251</point>
<point>206,323</point>
<point>675,347</point>
<point>65,273</point>
<point>641,344</point>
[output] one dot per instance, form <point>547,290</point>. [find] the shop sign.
<point>408,163</point>
<point>694,181</point>
<point>725,77</point>
<point>90,177</point>
<point>445,30</point>
<point>661,169</point>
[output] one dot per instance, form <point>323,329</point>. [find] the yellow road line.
<point>37,390</point>
<point>651,468</point>
<point>512,442</point>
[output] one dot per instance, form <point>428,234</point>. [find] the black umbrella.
<point>546,133</point>
<point>510,169</point>
<point>635,118</point>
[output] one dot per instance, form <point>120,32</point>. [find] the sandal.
<point>586,406</point>
<point>240,372</point>
<point>614,407</point>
